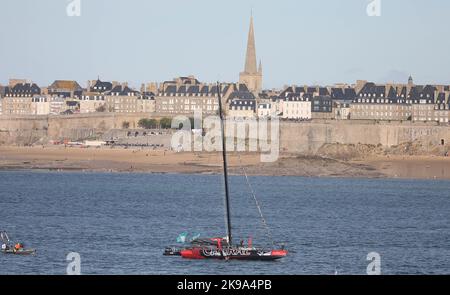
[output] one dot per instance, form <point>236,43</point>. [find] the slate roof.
<point>241,95</point>
<point>296,97</point>
<point>101,86</point>
<point>194,90</point>
<point>373,90</point>
<point>123,90</point>
<point>323,91</point>
<point>23,89</point>
<point>420,93</point>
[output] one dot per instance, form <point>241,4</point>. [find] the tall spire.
<point>250,60</point>
<point>251,76</point>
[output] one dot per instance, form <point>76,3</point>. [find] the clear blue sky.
<point>313,41</point>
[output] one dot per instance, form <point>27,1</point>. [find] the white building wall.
<point>296,110</point>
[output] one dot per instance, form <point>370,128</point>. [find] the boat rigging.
<point>223,248</point>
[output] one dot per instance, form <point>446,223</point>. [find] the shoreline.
<point>107,160</point>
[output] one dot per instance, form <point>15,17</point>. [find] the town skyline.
<point>219,56</point>
<point>245,99</point>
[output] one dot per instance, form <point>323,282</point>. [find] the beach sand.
<point>136,160</point>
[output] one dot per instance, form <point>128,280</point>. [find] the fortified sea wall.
<point>303,137</point>
<point>309,137</point>
<point>25,130</point>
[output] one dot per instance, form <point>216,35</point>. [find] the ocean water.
<point>121,223</point>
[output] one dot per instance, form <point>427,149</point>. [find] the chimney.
<point>152,87</point>
<point>14,82</point>
<point>359,85</point>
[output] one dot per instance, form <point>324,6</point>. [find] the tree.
<point>125,125</point>
<point>153,123</point>
<point>143,123</point>
<point>165,123</point>
<point>101,109</point>
<point>148,123</point>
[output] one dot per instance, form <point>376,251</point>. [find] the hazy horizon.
<point>299,42</point>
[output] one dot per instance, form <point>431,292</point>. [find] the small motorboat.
<point>13,249</point>
<point>20,251</point>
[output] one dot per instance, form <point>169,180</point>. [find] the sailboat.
<point>223,248</point>
<point>8,247</point>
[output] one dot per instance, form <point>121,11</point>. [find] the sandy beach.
<point>60,158</point>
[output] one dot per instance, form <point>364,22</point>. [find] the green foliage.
<point>165,123</point>
<point>148,123</point>
<point>101,109</point>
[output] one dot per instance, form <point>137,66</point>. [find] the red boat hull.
<point>233,253</point>
<point>194,253</point>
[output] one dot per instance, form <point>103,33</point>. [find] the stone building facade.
<point>381,102</point>
<point>296,107</point>
<point>146,103</point>
<point>40,105</point>
<point>185,95</point>
<point>322,107</point>
<point>242,103</point>
<point>122,99</point>
<point>18,98</point>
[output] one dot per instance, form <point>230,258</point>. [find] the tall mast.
<point>225,168</point>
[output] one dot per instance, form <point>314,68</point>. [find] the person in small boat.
<point>18,247</point>
<point>4,247</point>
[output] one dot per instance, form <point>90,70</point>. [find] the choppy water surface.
<point>121,223</point>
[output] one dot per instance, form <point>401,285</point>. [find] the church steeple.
<point>250,59</point>
<point>252,74</point>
